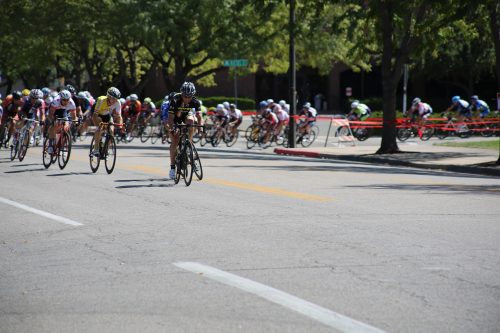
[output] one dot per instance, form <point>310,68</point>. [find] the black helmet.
<point>188,89</point>
<point>17,95</point>
<point>114,92</point>
<point>71,89</point>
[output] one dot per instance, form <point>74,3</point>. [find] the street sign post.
<point>235,63</point>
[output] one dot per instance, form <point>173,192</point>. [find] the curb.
<point>379,160</point>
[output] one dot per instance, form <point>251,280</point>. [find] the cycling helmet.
<point>134,97</point>
<point>232,106</point>
<point>226,105</point>
<point>17,95</point>
<point>220,107</point>
<point>71,89</point>
<point>128,98</point>
<point>113,92</point>
<point>36,94</point>
<point>455,99</point>
<point>270,100</point>
<point>282,103</point>
<point>147,100</point>
<point>26,92</point>
<point>45,91</point>
<point>65,95</point>
<point>188,89</point>
<point>54,94</point>
<point>122,101</point>
<point>354,104</point>
<point>262,104</point>
<point>474,97</point>
<point>82,94</point>
<point>307,105</point>
<point>416,100</point>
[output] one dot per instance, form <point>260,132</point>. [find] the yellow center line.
<point>222,182</point>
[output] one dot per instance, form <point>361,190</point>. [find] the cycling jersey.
<point>32,110</point>
<point>462,107</point>
<point>282,116</point>
<point>134,108</point>
<point>235,114</point>
<point>104,109</point>
<point>164,110</point>
<point>422,109</point>
<point>180,110</point>
<point>481,106</point>
<point>61,111</point>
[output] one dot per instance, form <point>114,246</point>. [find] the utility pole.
<point>292,78</point>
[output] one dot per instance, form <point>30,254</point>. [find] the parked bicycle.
<point>61,149</point>
<point>107,149</point>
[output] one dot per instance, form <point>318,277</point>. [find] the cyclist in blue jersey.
<point>479,106</point>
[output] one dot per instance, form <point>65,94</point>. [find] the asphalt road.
<point>264,243</point>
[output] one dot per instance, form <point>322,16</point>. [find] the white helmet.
<point>354,104</point>
<point>282,103</point>
<point>65,94</point>
<point>134,97</point>
<point>226,105</point>
<point>270,100</point>
<point>220,107</point>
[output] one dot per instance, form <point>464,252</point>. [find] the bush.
<point>243,103</point>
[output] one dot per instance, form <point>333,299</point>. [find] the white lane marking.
<point>40,212</point>
<point>311,310</point>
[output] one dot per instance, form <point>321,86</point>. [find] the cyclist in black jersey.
<point>184,107</point>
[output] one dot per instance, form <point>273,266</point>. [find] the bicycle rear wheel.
<point>110,154</point>
<point>14,149</point>
<point>144,134</point>
<point>155,134</point>
<point>426,133</point>
<point>188,163</point>
<point>198,168</point>
<point>64,150</point>
<point>94,160</point>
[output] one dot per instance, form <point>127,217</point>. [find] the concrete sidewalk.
<point>467,160</point>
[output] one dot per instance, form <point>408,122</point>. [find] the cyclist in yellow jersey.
<point>104,108</point>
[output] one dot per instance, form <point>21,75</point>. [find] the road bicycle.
<point>409,128</point>
<point>452,128</point>
<point>107,149</point>
<point>5,136</point>
<point>185,163</point>
<point>21,140</point>
<point>307,139</point>
<point>61,148</point>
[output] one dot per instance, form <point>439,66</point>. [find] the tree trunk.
<point>389,81</point>
<point>494,10</point>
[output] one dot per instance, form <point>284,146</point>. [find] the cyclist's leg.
<point>97,134</point>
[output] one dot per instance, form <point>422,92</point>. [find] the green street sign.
<point>236,63</point>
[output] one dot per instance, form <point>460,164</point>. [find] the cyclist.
<point>183,108</point>
<point>235,118</point>
<point>165,106</point>
<point>419,111</point>
<point>148,110</point>
<point>284,106</point>
<point>262,107</point>
<point>11,105</point>
<point>86,110</point>
<point>283,118</point>
<point>479,106</point>
<point>78,110</point>
<point>60,107</point>
<point>106,107</point>
<point>310,113</point>
<point>359,111</point>
<point>461,106</point>
<point>269,123</point>
<point>33,108</point>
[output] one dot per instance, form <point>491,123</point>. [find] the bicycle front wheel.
<point>46,157</point>
<point>144,134</point>
<point>23,148</point>
<point>14,149</point>
<point>155,134</point>
<point>403,133</point>
<point>308,139</point>
<point>64,150</point>
<point>110,154</point>
<point>232,139</point>
<point>198,168</point>
<point>188,162</point>
<point>94,160</point>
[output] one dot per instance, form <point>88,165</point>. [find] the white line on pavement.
<point>40,212</point>
<point>311,310</point>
